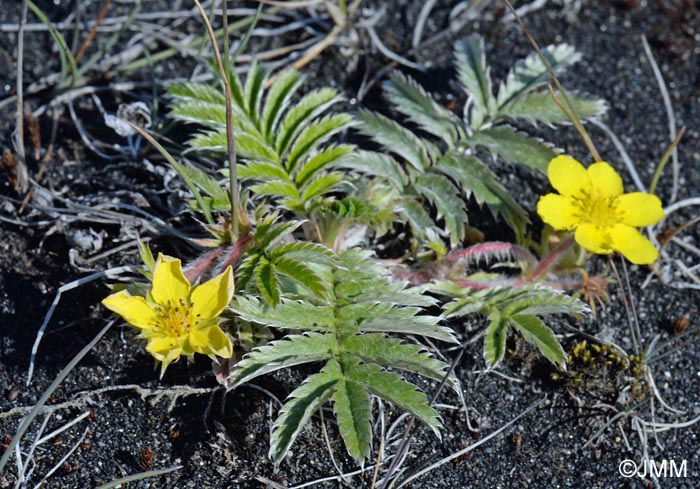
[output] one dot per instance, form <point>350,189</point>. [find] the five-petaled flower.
<point>592,203</point>
<point>176,318</point>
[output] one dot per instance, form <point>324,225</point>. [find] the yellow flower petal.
<point>165,350</point>
<point>633,245</point>
<point>594,238</point>
<point>639,209</point>
<point>211,341</point>
<point>568,176</point>
<point>134,309</point>
<point>210,298</point>
<point>605,179</point>
<point>169,284</point>
<point>558,211</point>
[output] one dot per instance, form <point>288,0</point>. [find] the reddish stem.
<point>551,259</point>
<point>202,264</point>
<point>237,250</point>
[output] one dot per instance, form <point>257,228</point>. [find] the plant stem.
<point>230,139</point>
<point>551,259</point>
<point>230,136</point>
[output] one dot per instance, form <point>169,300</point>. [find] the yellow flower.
<point>175,318</point>
<point>592,202</point>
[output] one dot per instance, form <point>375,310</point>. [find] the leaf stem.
<point>551,259</point>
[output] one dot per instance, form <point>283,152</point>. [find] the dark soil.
<point>221,440</point>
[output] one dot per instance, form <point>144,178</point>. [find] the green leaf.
<point>244,271</point>
<point>329,156</point>
<point>278,98</point>
<point>397,391</point>
<point>404,321</point>
<point>267,281</point>
<point>411,99</point>
<point>544,300</point>
<point>394,138</point>
<point>300,406</point>
<point>304,251</point>
<point>534,331</point>
<point>197,91</point>
<point>321,185</point>
<point>351,405</point>
<point>309,107</point>
<point>254,88</point>
<point>261,170</point>
<point>314,135</point>
<point>276,188</point>
<point>475,78</point>
<point>290,351</point>
<point>541,107</point>
<point>237,97</point>
<point>219,195</point>
<point>270,232</point>
<point>516,306</point>
<point>515,147</point>
<point>248,146</point>
<point>416,215</point>
<point>287,314</point>
<point>495,339</point>
<point>530,73</point>
<point>477,179</point>
<point>443,195</point>
<point>205,113</point>
<point>392,353</point>
<point>301,273</point>
<point>377,164</point>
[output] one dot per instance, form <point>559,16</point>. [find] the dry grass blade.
<point>468,449</point>
<point>139,477</point>
<point>27,421</point>
<point>230,137</point>
<point>575,120</point>
<point>93,31</point>
<point>65,288</point>
<point>22,173</point>
<point>669,113</point>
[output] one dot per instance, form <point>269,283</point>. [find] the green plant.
<point>512,307</point>
<point>348,332</point>
<point>441,162</point>
<point>283,144</point>
<point>274,258</point>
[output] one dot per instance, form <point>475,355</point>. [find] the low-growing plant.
<point>512,308</point>
<point>282,142</point>
<point>445,165</point>
<point>348,332</point>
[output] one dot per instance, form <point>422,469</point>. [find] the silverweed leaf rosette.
<point>174,317</point>
<point>592,203</point>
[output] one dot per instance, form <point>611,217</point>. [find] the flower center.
<point>599,210</point>
<point>175,319</point>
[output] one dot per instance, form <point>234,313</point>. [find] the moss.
<point>604,373</point>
